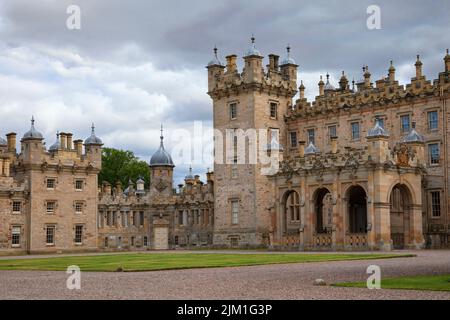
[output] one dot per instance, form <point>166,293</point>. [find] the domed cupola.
<point>413,136</point>
<point>161,157</point>
<point>189,176</point>
<point>252,51</point>
<point>32,134</point>
<point>288,59</point>
<point>377,130</point>
<point>328,85</point>
<point>93,139</point>
<point>215,61</point>
<point>57,145</point>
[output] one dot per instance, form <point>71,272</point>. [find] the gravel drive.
<point>285,281</point>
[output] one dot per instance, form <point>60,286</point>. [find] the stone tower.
<point>256,99</point>
<point>161,172</point>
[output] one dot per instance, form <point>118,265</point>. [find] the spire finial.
<point>288,48</point>
<point>328,78</point>
<point>57,134</point>
<point>161,136</point>
<point>93,128</point>
<point>32,120</point>
<point>418,57</point>
<point>215,51</point>
<point>253,39</point>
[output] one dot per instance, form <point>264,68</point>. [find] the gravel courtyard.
<point>286,281</point>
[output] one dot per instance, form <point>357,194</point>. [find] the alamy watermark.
<point>73,282</point>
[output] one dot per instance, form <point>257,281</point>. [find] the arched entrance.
<point>357,210</point>
<point>400,202</point>
<point>323,210</point>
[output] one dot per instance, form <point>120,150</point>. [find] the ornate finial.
<point>418,57</point>
<point>288,48</point>
<point>343,73</point>
<point>32,120</point>
<point>364,69</point>
<point>215,51</point>
<point>328,78</point>
<point>57,134</point>
<point>392,62</point>
<point>253,39</point>
<point>447,51</point>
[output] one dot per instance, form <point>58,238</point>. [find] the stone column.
<point>382,214</point>
<point>1,167</point>
<point>416,233</point>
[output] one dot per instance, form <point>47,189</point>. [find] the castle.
<point>362,167</point>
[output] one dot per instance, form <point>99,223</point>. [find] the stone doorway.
<point>161,238</point>
<point>357,210</point>
<point>399,216</point>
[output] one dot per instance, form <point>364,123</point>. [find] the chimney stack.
<point>418,68</point>
<point>11,137</point>
<point>69,141</point>
<point>231,63</point>
<point>79,147</point>
<point>63,140</point>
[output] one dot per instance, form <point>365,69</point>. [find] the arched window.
<point>293,206</point>
<point>324,210</point>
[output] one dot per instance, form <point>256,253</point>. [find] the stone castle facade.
<point>362,167</point>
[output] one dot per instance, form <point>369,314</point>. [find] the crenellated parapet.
<point>386,92</point>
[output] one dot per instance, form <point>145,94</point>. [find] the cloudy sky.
<point>135,64</point>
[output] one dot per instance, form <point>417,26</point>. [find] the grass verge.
<point>432,283</point>
<point>166,261</point>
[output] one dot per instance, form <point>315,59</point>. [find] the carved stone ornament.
<point>161,185</point>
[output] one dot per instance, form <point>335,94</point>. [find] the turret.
<point>289,69</point>
<point>302,90</point>
<point>417,143</point>
<point>32,145</point>
<point>343,82</point>
<point>378,143</point>
<point>253,70</point>
<point>161,171</point>
<point>215,71</point>
<point>93,148</point>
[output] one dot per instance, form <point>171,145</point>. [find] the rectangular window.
<point>135,219</point>
<point>15,236</point>
<point>233,111</point>
<point>50,183</point>
<point>332,132</point>
<point>234,212</point>
<point>405,123</point>
<point>114,218</point>
<point>145,241</point>
<point>311,136</point>
<point>180,217</point>
<point>108,219</point>
<point>141,218</point>
<point>78,234</point>
<point>51,207</point>
<point>432,120</point>
<point>293,139</point>
<point>273,110</point>
<point>381,122</point>
<point>78,207</point>
<point>50,235</point>
<point>355,130</point>
<point>436,204</point>
<point>17,207</point>
<point>132,241</point>
<point>79,185</point>
<point>433,153</point>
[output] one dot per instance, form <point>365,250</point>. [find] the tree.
<point>120,165</point>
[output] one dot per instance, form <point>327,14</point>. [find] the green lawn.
<point>433,283</point>
<point>163,261</point>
